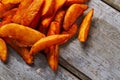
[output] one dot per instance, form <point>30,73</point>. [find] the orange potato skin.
<point>85,26</point>
<point>59,17</point>
<point>3,50</point>
<point>70,2</point>
<point>52,57</point>
<point>22,51</point>
<point>48,8</point>
<point>10,12</point>
<point>59,4</point>
<point>20,33</point>
<point>73,12</point>
<point>4,8</point>
<point>10,1</point>
<point>21,10</point>
<point>7,17</point>
<point>47,20</point>
<point>48,41</point>
<point>52,54</point>
<point>54,28</point>
<point>72,31</point>
<point>31,13</point>
<point>6,20</point>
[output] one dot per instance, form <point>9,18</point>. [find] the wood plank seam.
<point>113,5</point>
<point>63,63</point>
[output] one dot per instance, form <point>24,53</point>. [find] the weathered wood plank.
<point>99,57</point>
<point>113,3</point>
<point>16,69</point>
<point>72,69</point>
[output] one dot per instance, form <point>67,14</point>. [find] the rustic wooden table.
<point>97,59</point>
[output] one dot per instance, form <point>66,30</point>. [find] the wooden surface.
<point>113,3</point>
<point>16,69</point>
<point>98,58</point>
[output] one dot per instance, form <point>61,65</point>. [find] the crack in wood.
<point>63,63</point>
<point>113,3</point>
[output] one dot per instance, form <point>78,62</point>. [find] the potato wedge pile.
<point>31,26</point>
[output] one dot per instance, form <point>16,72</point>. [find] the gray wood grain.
<point>99,57</point>
<point>72,69</point>
<point>16,69</point>
<point>113,3</point>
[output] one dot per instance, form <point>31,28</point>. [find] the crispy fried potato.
<point>3,50</point>
<point>59,4</point>
<point>7,17</point>
<point>48,41</point>
<point>60,16</point>
<point>6,20</point>
<point>31,12</point>
<point>48,8</point>
<point>73,12</point>
<point>22,51</point>
<point>54,28</point>
<point>10,1</point>
<point>53,53</point>
<point>22,34</point>
<point>46,22</point>
<point>4,8</point>
<point>52,57</point>
<point>85,26</point>
<point>10,12</point>
<point>72,31</point>
<point>70,2</point>
<point>21,10</point>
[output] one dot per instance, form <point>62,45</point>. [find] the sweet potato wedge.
<point>22,51</point>
<point>85,26</point>
<point>52,54</point>
<point>31,12</point>
<point>72,31</point>
<point>73,12</point>
<point>54,28</point>
<point>52,57</point>
<point>59,4</point>
<point>20,33</point>
<point>10,12</point>
<point>48,8</point>
<point>10,1</point>
<point>6,20</point>
<point>3,50</point>
<point>46,22</point>
<point>21,10</point>
<point>60,16</point>
<point>70,2</point>
<point>48,41</point>
<point>4,8</point>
